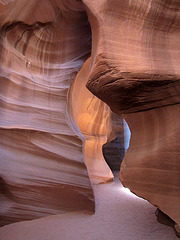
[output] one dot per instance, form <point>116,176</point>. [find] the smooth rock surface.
<point>151,164</point>
<point>135,70</point>
<point>94,121</point>
<point>43,45</point>
<point>120,215</point>
<point>135,53</point>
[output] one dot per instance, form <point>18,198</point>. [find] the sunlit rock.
<point>135,70</point>
<point>43,45</point>
<point>94,120</point>
<point>53,131</point>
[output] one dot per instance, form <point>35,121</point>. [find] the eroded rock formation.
<point>135,70</point>
<point>51,131</point>
<point>43,46</point>
<point>94,120</point>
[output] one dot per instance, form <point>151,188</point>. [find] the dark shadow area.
<point>166,220</point>
<point>114,151</point>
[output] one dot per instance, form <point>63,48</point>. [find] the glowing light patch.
<point>127,191</point>
<point>127,135</point>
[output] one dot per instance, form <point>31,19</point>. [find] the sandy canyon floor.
<point>120,215</point>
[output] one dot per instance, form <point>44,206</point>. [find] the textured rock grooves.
<point>50,132</point>
<point>43,46</point>
<point>94,120</point>
<point>46,143</point>
<point>135,70</point>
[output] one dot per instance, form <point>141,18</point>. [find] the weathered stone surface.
<point>177,230</point>
<point>50,132</point>
<point>95,123</point>
<point>135,60</point>
<point>151,164</point>
<point>135,70</point>
<point>43,45</point>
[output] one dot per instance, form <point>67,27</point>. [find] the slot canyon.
<point>90,94</point>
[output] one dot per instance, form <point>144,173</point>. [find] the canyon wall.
<point>53,128</point>
<point>135,70</point>
<point>43,46</point>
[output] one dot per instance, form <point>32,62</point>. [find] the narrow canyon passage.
<point>70,72</point>
<point>119,216</point>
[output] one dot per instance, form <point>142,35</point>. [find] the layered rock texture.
<point>50,132</point>
<point>135,70</point>
<point>53,128</point>
<point>43,46</point>
<point>95,121</point>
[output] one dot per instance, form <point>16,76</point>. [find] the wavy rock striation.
<point>43,46</point>
<point>94,120</point>
<point>135,70</point>
<point>51,131</point>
